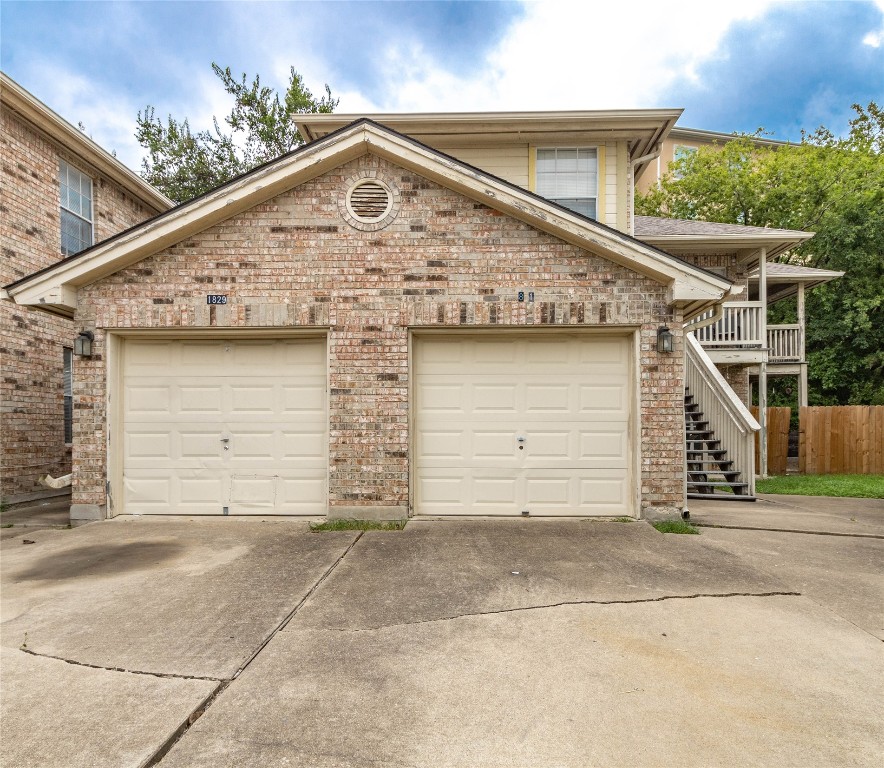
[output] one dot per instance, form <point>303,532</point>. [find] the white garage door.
<point>224,427</point>
<point>507,424</point>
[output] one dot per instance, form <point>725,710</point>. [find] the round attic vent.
<point>369,201</point>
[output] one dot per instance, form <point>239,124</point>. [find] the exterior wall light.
<point>83,344</point>
<point>664,340</point>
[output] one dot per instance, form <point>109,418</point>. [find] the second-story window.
<point>570,177</point>
<point>76,209</point>
<point>680,152</point>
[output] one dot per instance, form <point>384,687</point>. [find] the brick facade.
<point>443,261</point>
<point>32,342</point>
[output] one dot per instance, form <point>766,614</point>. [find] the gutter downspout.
<point>631,174</point>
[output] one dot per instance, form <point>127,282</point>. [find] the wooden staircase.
<point>710,473</point>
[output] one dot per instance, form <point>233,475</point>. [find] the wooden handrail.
<point>734,425</point>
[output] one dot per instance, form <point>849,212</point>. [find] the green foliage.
<point>183,164</point>
<point>855,486</point>
<point>358,525</point>
<point>831,186</point>
<point>675,526</point>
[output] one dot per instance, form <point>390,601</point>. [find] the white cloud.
<point>875,38</point>
<point>568,55</point>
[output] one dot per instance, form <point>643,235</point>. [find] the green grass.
<point>7,525</point>
<point>358,525</point>
<point>674,526</point>
<point>856,486</point>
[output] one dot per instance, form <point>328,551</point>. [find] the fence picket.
<point>845,439</point>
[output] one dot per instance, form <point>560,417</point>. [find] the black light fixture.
<point>83,344</point>
<point>664,340</point>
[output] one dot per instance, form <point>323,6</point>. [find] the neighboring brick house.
<point>372,327</point>
<point>43,156</point>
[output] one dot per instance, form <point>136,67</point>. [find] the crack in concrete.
<point>168,675</point>
<point>567,603</point>
<point>203,707</point>
<point>787,530</point>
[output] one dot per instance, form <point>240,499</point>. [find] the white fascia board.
<point>60,282</point>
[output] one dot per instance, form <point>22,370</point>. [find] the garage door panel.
<point>549,398</point>
<point>610,399</point>
<point>265,401</point>
<point>247,400</point>
<point>569,398</point>
<point>493,490</point>
<point>491,444</point>
<point>494,398</point>
<point>207,400</point>
<point>605,448</point>
<point>448,444</point>
<point>306,397</point>
<point>443,397</point>
<point>304,445</point>
<point>149,400</point>
<point>148,445</point>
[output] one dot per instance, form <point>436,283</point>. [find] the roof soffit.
<point>53,285</point>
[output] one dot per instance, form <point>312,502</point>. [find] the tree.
<point>824,184</point>
<point>183,164</point>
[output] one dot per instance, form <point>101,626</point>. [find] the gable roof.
<point>60,132</point>
<point>55,288</point>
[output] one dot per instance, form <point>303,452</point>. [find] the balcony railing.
<point>784,344</point>
<point>739,327</point>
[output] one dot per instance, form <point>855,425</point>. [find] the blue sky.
<point>733,66</point>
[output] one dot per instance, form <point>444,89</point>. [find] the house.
<point>61,192</point>
<point>409,315</point>
<point>682,141</point>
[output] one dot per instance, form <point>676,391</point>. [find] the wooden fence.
<point>841,439</point>
<point>777,440</point>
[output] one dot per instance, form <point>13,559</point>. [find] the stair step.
<point>707,440</point>
<point>735,487</point>
<point>728,474</point>
<point>720,496</point>
<point>696,432</point>
<point>705,452</point>
<point>696,424</point>
<point>710,466</point>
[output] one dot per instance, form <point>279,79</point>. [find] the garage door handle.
<point>225,439</point>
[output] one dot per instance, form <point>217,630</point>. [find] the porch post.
<point>802,368</point>
<point>762,368</point>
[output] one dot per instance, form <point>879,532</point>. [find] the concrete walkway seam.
<point>787,530</point>
<point>203,707</point>
<point>565,603</point>
<point>166,675</point>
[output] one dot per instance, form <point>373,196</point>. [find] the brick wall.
<point>443,261</point>
<point>31,342</point>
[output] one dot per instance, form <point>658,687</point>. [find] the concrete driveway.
<point>180,642</point>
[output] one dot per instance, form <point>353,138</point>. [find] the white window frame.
<point>594,197</point>
<point>67,173</point>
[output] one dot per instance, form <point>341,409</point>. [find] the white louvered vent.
<point>369,200</point>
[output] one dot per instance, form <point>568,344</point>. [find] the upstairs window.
<point>680,152</point>
<point>570,177</point>
<point>76,209</point>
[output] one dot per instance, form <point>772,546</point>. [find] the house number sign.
<point>216,298</point>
